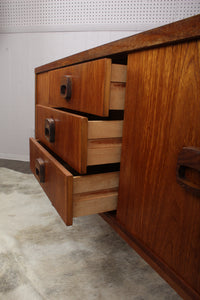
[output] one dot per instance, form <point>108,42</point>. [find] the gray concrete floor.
<point>16,165</point>
<point>138,281</point>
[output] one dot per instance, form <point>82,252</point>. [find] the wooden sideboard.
<point>117,133</point>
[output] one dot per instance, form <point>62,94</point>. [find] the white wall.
<point>20,53</point>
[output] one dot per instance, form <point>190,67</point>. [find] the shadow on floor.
<point>16,165</point>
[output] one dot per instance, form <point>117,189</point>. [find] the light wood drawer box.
<point>73,196</point>
<point>93,87</point>
<point>79,141</point>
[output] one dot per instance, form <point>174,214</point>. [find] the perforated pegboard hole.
<point>40,14</point>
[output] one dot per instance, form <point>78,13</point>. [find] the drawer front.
<point>65,134</point>
<point>73,196</point>
<point>55,180</point>
<point>88,87</point>
<point>76,140</point>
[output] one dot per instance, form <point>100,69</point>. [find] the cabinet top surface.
<point>179,31</point>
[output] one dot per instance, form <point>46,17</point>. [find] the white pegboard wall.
<point>90,15</point>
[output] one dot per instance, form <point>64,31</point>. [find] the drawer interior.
<point>71,194</point>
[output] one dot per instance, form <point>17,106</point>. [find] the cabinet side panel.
<point>42,88</point>
<point>162,115</point>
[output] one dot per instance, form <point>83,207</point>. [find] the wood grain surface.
<point>117,95</point>
<point>58,183</point>
<point>93,203</point>
<point>71,134</point>
<point>104,151</point>
<point>42,89</point>
<point>95,182</point>
<point>161,117</point>
<point>90,87</point>
<point>104,129</point>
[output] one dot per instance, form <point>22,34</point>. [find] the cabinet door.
<point>162,115</point>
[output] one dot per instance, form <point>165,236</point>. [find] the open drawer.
<point>78,141</point>
<point>73,195</point>
<point>93,87</point>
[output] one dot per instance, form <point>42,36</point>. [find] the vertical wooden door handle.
<point>66,87</point>
<point>40,169</point>
<point>188,158</point>
<point>50,130</point>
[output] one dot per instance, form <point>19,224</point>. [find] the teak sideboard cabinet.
<point>118,133</point>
